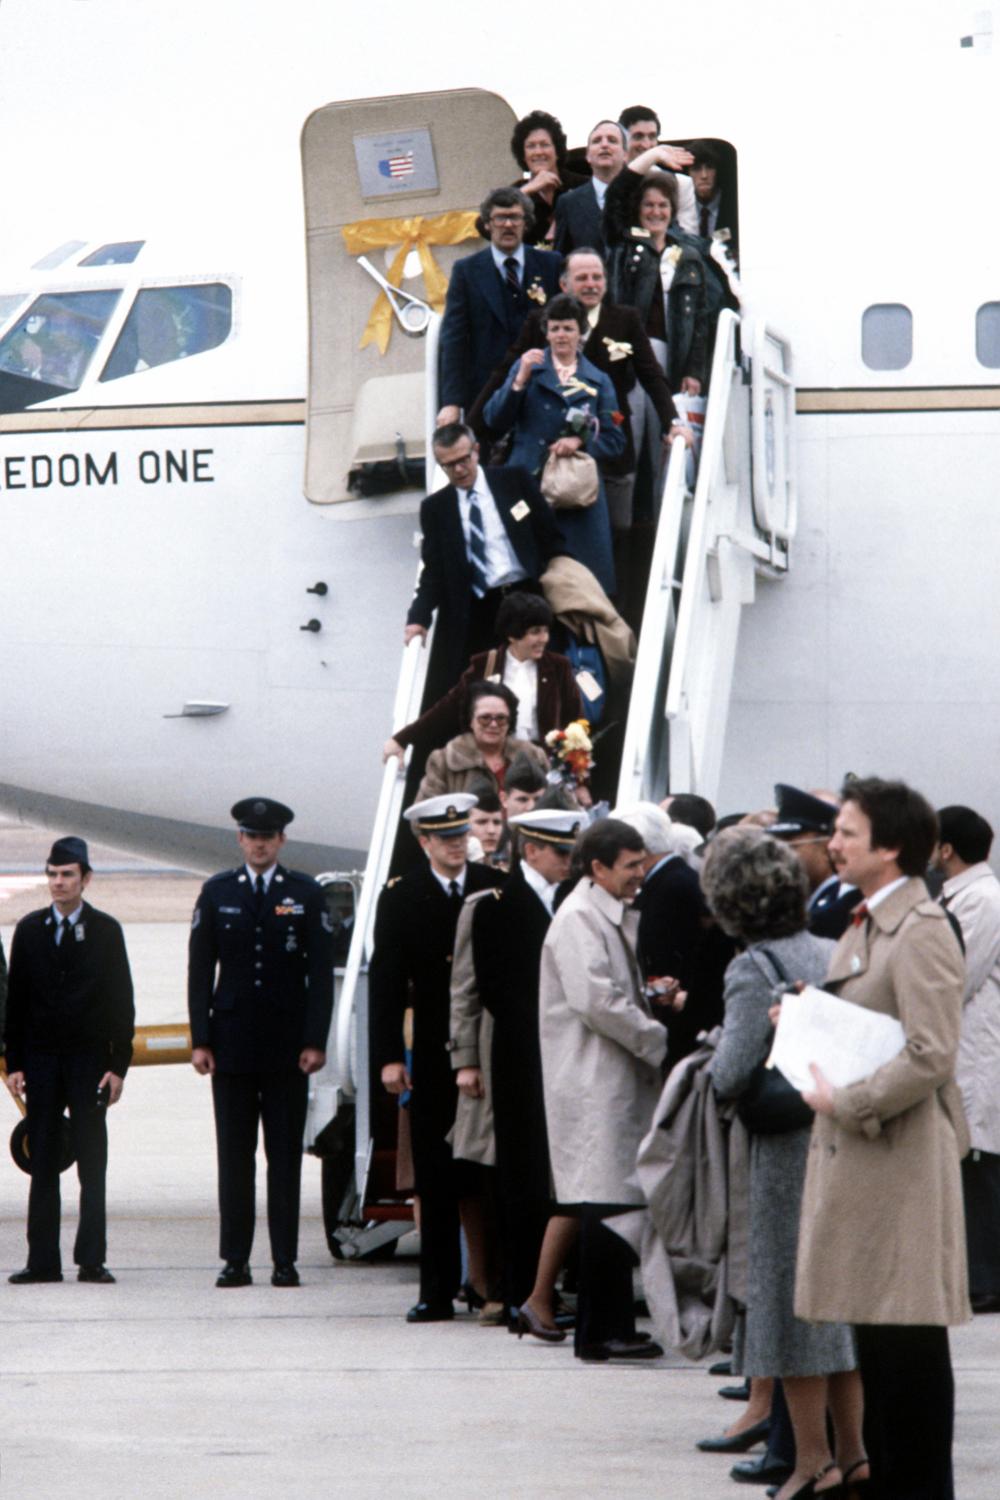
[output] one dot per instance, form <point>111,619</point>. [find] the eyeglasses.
<point>497,719</point>
<point>506,218</point>
<point>457,463</point>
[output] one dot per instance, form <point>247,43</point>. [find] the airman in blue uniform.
<point>260,994</point>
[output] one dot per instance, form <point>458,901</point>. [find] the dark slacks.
<point>277,1100</point>
<point>55,1082</point>
<point>981,1191</point>
<point>440,1182</point>
<point>605,1308</point>
<point>909,1410</point>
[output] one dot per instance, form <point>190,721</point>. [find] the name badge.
<point>588,685</point>
<point>520,510</point>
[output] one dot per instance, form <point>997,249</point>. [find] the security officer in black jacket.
<point>260,993</point>
<point>70,1019</point>
<point>415,926</point>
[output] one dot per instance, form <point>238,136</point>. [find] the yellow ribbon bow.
<point>617,350</point>
<point>418,234</point>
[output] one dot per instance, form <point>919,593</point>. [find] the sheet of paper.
<point>847,1041</point>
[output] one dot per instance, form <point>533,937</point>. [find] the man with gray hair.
<point>489,296</point>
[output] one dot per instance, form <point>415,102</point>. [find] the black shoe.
<point>473,1300</point>
<point>760,1471</point>
<point>740,1442</point>
<point>723,1367</point>
<point>430,1312</point>
<point>95,1273</point>
<point>735,1392</point>
<point>25,1277</point>
<point>285,1274</point>
<point>234,1273</point>
<point>620,1349</point>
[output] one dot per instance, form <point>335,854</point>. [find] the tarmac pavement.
<point>163,1386</point>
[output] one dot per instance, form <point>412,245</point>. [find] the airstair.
<point>710,546</point>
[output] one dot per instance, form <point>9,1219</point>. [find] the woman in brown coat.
<point>485,750</point>
<point>882,1242</point>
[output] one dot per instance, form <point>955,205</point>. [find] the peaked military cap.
<point>447,815</point>
<point>801,812</point>
<point>261,815</point>
<point>70,851</point>
<point>550,826</point>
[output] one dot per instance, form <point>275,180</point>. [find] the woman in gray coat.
<point>757,890</point>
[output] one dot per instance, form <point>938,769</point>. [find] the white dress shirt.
<point>544,889</point>
<point>885,891</point>
<point>445,881</point>
<point>268,876</point>
<point>499,257</point>
<point>502,565</point>
<point>72,919</point>
<point>522,679</point>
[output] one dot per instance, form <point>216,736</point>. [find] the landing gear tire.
<point>20,1148</point>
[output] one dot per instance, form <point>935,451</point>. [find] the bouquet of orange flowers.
<point>571,752</point>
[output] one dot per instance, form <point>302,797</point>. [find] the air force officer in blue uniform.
<point>260,992</point>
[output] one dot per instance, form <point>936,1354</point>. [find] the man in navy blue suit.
<point>487,533</point>
<point>489,296</point>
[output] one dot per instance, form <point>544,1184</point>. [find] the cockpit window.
<point>123,253</point>
<point>168,323</point>
<point>52,343</point>
<point>56,257</point>
<point>8,302</point>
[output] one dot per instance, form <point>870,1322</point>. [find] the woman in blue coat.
<point>555,401</point>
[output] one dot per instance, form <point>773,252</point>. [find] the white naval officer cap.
<point>447,815</point>
<point>550,826</point>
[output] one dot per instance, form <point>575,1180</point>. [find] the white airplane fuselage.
<point>158,549</point>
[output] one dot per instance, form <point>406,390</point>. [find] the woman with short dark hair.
<point>756,889</point>
<point>542,680</point>
<point>538,145</point>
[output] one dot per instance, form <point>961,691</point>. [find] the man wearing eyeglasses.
<point>485,534</point>
<point>805,824</point>
<point>489,296</point>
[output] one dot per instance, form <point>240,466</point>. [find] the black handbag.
<point>770,1105</point>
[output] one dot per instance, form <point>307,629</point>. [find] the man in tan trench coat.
<point>882,1242</point>
<point>601,1056</point>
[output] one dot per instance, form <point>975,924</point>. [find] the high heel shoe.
<point>738,1442</point>
<point>808,1491</point>
<point>471,1298</point>
<point>528,1321</point>
<point>856,1489</point>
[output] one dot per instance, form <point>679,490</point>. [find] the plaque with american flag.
<point>400,161</point>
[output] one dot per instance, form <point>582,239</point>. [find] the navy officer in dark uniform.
<point>70,1019</point>
<point>260,993</point>
<point>415,926</point>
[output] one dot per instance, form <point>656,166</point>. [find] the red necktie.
<point>859,914</point>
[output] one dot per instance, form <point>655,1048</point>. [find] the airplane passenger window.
<point>988,335</point>
<point>887,336</point>
<point>52,343</point>
<point>168,323</point>
<point>121,254</point>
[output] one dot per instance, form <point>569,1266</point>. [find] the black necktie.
<point>455,892</point>
<point>511,277</point>
<point>704,221</point>
<point>259,892</point>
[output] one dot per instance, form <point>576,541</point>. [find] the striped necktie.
<point>477,546</point>
<point>511,277</point>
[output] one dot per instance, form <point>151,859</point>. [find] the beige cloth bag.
<point>569,481</point>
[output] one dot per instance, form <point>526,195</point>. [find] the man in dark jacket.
<point>484,535</point>
<point>260,994</point>
<point>70,1020</point>
<point>415,926</point>
<point>489,296</point>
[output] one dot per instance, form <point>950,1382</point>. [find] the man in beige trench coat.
<point>882,1242</point>
<point>601,1056</point>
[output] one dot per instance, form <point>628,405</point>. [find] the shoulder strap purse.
<point>769,1105</point>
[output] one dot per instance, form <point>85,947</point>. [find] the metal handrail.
<point>785,478</point>
<point>409,693</point>
<point>655,628</point>
<point>720,391</point>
